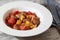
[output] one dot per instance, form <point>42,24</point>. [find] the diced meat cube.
<point>23,27</point>
<point>35,20</point>
<point>16,27</point>
<point>14,12</point>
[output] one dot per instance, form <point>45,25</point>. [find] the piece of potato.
<point>33,26</point>
<point>27,23</point>
<point>21,17</point>
<point>18,22</point>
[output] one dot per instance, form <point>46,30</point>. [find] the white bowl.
<point>42,12</point>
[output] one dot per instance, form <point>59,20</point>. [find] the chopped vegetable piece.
<point>12,21</point>
<point>21,17</point>
<point>27,23</point>
<point>14,12</point>
<point>18,22</point>
<point>30,13</point>
<point>30,16</point>
<point>33,26</point>
<point>23,27</point>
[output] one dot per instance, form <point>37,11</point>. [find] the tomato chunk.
<point>12,21</point>
<point>14,12</point>
<point>30,13</point>
<point>23,27</point>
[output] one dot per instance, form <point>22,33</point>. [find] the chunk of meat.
<point>17,15</point>
<point>16,27</point>
<point>23,24</point>
<point>26,20</point>
<point>14,12</point>
<point>30,13</point>
<point>6,20</point>
<point>25,13</point>
<point>35,20</point>
<point>23,27</point>
<point>30,16</point>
